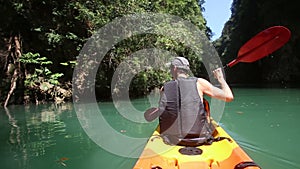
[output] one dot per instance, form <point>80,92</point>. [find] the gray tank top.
<point>184,115</point>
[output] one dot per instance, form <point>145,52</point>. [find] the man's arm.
<point>224,93</point>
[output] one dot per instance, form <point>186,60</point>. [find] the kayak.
<point>222,153</point>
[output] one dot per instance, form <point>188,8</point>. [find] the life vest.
<point>184,115</point>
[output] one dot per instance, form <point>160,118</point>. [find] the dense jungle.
<point>40,41</point>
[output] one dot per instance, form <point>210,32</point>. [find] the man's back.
<point>184,115</point>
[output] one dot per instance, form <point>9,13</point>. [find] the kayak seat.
<point>191,142</point>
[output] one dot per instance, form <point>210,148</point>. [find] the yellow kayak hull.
<point>223,154</point>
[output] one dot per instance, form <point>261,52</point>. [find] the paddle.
<point>262,44</point>
<point>259,46</point>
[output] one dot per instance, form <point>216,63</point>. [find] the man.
<point>182,115</point>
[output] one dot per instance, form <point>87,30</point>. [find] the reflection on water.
<point>30,132</point>
<point>47,136</point>
<point>263,121</point>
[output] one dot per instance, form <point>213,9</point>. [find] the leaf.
<point>41,59</point>
<point>46,63</point>
<point>65,64</point>
<point>53,81</point>
<point>71,36</point>
<point>37,29</point>
<point>73,62</point>
<point>56,75</point>
<point>39,70</point>
<point>47,71</point>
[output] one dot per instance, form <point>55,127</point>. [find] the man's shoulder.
<point>203,82</point>
<point>201,79</point>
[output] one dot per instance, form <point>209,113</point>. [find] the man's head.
<point>179,65</point>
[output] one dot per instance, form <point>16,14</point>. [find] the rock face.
<point>249,18</point>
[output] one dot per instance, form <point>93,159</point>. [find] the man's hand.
<point>218,74</point>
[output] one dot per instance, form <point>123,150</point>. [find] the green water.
<point>265,122</point>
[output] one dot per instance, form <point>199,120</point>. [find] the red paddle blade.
<point>262,44</point>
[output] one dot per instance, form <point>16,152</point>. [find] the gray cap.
<point>181,63</point>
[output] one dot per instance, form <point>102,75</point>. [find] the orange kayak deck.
<point>224,154</point>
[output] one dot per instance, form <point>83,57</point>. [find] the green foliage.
<point>70,63</point>
<point>30,58</point>
<point>148,80</point>
<point>41,72</point>
<point>59,29</point>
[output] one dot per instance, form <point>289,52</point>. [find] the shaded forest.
<point>40,42</point>
<point>249,18</point>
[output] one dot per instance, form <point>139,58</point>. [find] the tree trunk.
<point>15,53</point>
